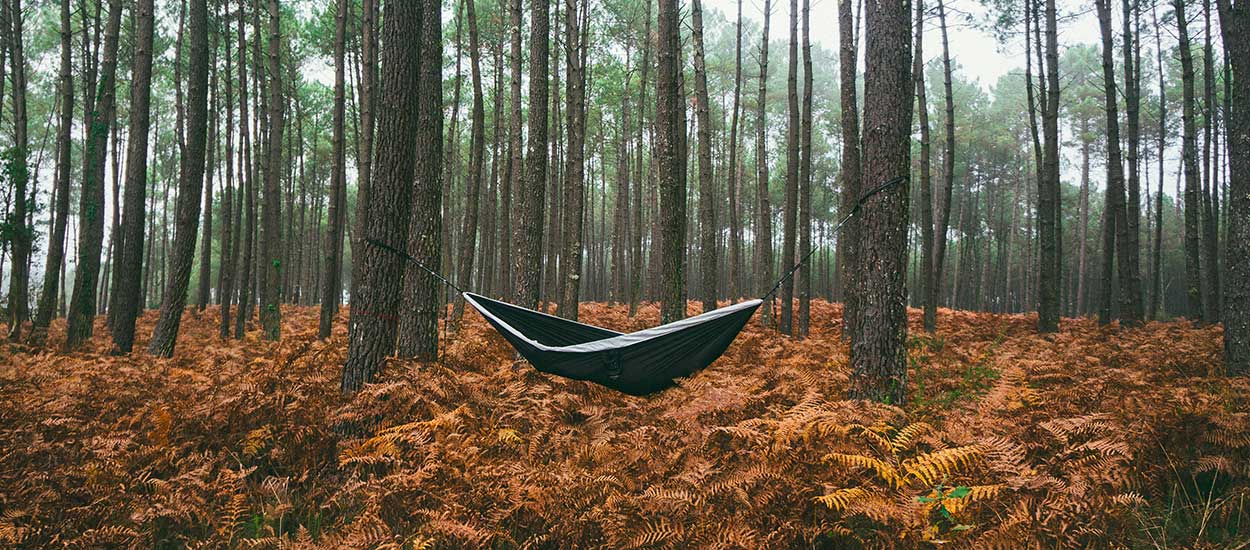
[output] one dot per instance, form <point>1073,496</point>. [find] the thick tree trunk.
<point>528,237</point>
<point>375,304</point>
<point>1132,107</point>
<point>574,167</point>
<point>1049,209</point>
<point>270,266</point>
<point>190,184</point>
<point>763,212</point>
<point>879,333</point>
<point>670,138</point>
<point>129,271</point>
<point>91,207</point>
<point>1235,25</point>
<point>331,283</point>
<point>928,288</point>
<point>64,142</point>
<point>708,229</point>
<point>422,303</point>
<point>1193,190</point>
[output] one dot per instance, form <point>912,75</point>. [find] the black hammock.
<point>638,363</point>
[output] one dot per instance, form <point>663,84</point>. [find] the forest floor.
<point>1090,438</point>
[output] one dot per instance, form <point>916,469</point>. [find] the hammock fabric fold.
<point>638,363</point>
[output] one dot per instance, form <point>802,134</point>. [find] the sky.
<point>979,55</point>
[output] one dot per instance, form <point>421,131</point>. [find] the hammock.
<point>638,363</point>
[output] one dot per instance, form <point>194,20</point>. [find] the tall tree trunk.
<point>1083,234</point>
<point>707,187</point>
<point>1193,190</point>
<point>422,304</point>
<point>23,236</point>
<point>270,265</point>
<point>508,232</point>
<point>247,171</point>
<point>206,243</point>
<point>670,139</point>
<point>368,120</point>
<point>191,181</point>
<point>879,334</point>
<point>790,213</point>
<point>91,207</point>
<point>1156,284</point>
<point>229,246</point>
<point>805,180</point>
<point>733,172</point>
<point>528,236</point>
<point>64,143</point>
<point>372,325</point>
<point>574,167</point>
<point>331,289</point>
<point>1132,107</point>
<point>129,272</point>
<point>763,213</point>
<point>1235,25</point>
<point>1129,292</point>
<point>477,151</point>
<point>1049,209</point>
<point>637,264</point>
<point>1210,191</point>
<point>948,170</point>
<point>928,277</point>
<point>847,71</point>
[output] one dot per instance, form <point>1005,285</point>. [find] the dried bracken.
<point>1092,437</point>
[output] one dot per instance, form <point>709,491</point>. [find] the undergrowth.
<point>1089,438</point>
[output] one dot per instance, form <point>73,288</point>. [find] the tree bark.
<point>1235,26</point>
<point>229,240</point>
<point>64,143</point>
<point>670,138</point>
<point>1210,191</point>
<point>477,149</point>
<point>763,213</point>
<point>190,184</point>
<point>848,240</point>
<point>790,213</point>
<point>270,266</point>
<point>927,275</point>
<point>331,288</point>
<point>23,236</point>
<point>1049,209</point>
<point>708,229</point>
<point>91,207</point>
<point>879,334</point>
<point>733,171</point>
<point>528,236</point>
<point>574,167</point>
<point>422,303</point>
<point>805,180</point>
<point>372,324</point>
<point>1193,191</point>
